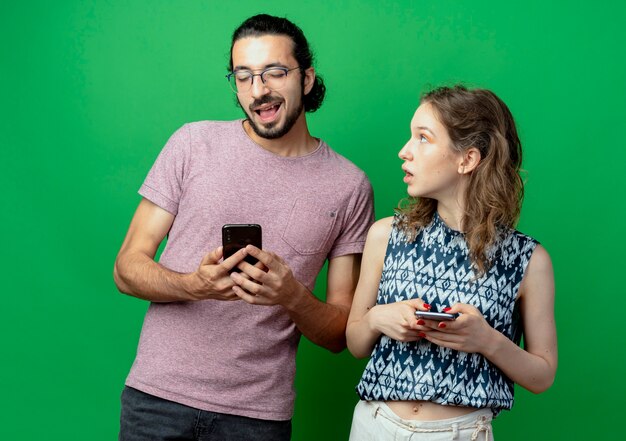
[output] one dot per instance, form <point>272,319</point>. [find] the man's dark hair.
<point>264,24</point>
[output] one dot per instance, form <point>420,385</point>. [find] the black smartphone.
<point>237,236</point>
<point>427,315</point>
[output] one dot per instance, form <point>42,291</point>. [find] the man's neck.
<point>297,142</point>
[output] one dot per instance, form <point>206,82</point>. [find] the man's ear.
<point>469,161</point>
<point>309,79</point>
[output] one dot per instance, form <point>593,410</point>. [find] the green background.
<point>91,90</point>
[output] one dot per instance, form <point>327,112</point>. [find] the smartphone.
<point>427,315</point>
<point>237,236</point>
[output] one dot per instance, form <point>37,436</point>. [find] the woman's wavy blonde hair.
<point>476,118</point>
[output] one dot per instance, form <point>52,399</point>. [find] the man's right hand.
<point>137,274</point>
<point>211,280</point>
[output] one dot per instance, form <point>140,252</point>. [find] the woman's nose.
<point>405,153</point>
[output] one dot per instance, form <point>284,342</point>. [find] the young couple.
<point>216,357</point>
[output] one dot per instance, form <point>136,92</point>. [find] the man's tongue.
<point>269,112</point>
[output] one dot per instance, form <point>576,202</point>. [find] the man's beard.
<point>272,131</point>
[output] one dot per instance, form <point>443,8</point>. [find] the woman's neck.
<point>451,214</point>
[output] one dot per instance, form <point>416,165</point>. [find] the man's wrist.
<point>191,285</point>
<point>298,295</point>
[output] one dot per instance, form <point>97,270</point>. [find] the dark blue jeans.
<point>148,418</point>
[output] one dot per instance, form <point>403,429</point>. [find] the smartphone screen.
<point>237,236</point>
<point>427,315</point>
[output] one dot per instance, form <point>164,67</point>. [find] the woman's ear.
<point>309,79</point>
<point>469,161</point>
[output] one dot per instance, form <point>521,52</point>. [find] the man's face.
<point>271,113</point>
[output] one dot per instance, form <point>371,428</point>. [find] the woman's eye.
<point>423,138</point>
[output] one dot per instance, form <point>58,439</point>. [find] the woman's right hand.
<point>397,320</point>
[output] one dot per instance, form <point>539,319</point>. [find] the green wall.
<point>91,90</point>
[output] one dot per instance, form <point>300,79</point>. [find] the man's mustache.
<point>267,99</point>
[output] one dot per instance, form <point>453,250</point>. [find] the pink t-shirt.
<point>232,357</point>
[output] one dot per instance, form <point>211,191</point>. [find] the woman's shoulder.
<point>392,228</point>
<point>381,229</point>
<point>540,259</point>
<point>539,276</point>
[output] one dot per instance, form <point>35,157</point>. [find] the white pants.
<point>375,421</point>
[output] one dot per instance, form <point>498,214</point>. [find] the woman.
<point>454,250</point>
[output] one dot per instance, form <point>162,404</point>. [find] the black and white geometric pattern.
<point>436,268</point>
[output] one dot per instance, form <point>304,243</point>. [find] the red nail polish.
<point>441,325</point>
<point>446,309</point>
<point>421,322</point>
<point>426,305</point>
<point>421,334</point>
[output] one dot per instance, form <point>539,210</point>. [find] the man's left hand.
<point>269,282</point>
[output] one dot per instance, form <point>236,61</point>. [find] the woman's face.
<point>431,167</point>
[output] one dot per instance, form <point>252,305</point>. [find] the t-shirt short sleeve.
<point>359,218</point>
<point>164,183</point>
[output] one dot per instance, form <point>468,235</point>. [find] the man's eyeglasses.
<point>272,77</point>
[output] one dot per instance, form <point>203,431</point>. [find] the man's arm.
<point>136,273</point>
<point>322,323</point>
<point>325,323</point>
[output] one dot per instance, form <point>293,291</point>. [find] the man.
<point>216,357</point>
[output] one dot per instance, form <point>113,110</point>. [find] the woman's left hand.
<point>470,332</point>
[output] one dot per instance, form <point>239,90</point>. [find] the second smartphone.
<point>427,315</point>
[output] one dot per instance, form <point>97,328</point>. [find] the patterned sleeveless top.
<point>436,268</point>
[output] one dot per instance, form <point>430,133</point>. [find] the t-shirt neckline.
<point>259,148</point>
